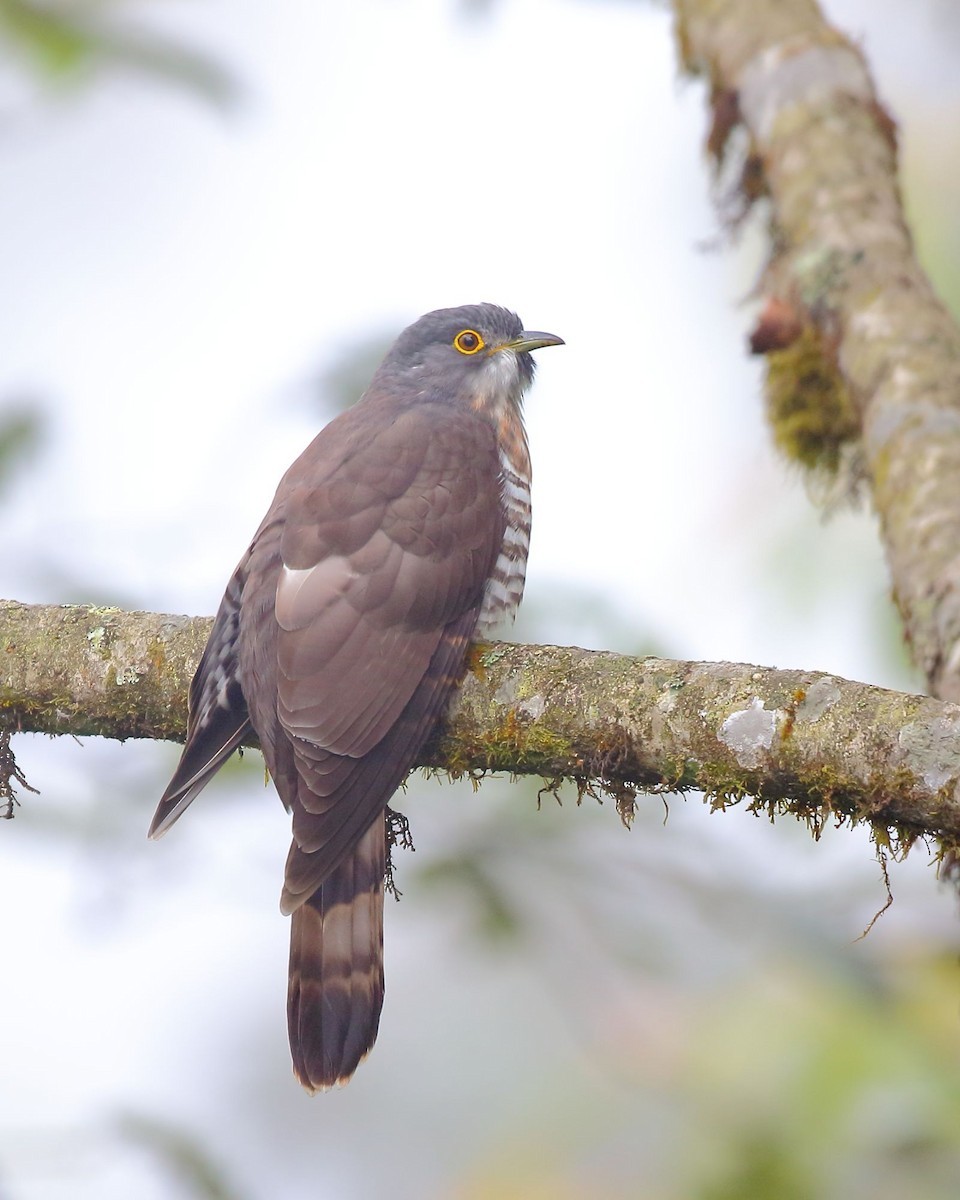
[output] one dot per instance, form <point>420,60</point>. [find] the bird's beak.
<point>530,340</point>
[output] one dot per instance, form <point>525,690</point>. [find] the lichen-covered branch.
<point>88,670</point>
<point>859,348</point>
<point>811,744</point>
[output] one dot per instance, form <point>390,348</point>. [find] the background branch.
<point>806,743</point>
<point>858,345</point>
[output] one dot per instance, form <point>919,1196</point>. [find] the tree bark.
<point>813,745</point>
<point>858,345</point>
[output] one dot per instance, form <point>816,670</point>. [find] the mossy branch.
<point>812,745</point>
<point>863,358</point>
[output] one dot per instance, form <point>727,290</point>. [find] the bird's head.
<point>477,355</point>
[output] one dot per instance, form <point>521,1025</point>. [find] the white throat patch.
<point>498,381</point>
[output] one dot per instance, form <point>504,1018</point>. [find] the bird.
<point>397,538</point>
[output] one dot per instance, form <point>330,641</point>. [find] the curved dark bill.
<point>530,340</point>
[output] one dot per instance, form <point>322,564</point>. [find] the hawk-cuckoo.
<point>398,535</point>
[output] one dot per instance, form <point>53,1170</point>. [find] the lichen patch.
<point>749,732</point>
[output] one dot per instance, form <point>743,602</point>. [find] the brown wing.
<point>391,524</point>
<point>338,795</point>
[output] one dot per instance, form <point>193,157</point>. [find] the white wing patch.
<point>304,592</point>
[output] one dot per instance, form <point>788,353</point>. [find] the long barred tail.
<point>336,967</point>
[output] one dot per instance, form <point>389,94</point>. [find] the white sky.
<point>174,279</point>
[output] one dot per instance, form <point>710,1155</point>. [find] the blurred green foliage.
<point>71,41</point>
<point>180,1155</point>
<point>816,1086</point>
<point>344,380</point>
<point>22,428</point>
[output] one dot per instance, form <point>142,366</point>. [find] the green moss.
<point>513,741</point>
<point>808,404</point>
<point>721,794</point>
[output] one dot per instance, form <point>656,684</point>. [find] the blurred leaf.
<point>765,1169</point>
<point>181,1153</point>
<point>21,432</point>
<point>861,1100</point>
<point>345,380</point>
<point>66,40</point>
<point>496,918</point>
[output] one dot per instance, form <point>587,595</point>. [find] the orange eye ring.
<point>468,341</point>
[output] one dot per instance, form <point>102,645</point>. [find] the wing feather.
<point>360,624</point>
<point>338,797</point>
<point>217,720</point>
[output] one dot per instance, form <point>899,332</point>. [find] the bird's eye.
<point>468,341</point>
